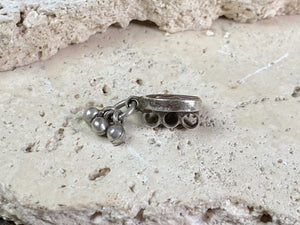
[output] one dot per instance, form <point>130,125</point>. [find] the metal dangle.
<point>170,111</point>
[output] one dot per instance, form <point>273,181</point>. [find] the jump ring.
<point>129,111</point>
<point>132,99</point>
<point>108,108</point>
<point>120,104</point>
<point>116,117</point>
<point>107,115</point>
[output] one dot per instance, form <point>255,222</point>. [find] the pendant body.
<point>169,110</point>
<point>169,103</point>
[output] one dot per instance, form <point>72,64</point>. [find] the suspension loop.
<point>120,104</point>
<point>100,113</point>
<point>131,108</point>
<point>103,112</point>
<point>132,99</point>
<point>116,116</point>
<point>108,115</point>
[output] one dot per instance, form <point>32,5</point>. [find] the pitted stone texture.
<point>33,30</point>
<point>241,166</point>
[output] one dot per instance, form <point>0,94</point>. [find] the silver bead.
<point>90,114</point>
<point>99,125</point>
<point>116,134</point>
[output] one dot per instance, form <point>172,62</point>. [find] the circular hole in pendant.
<point>151,119</point>
<point>171,120</point>
<point>190,121</point>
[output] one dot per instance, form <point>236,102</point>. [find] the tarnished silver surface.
<point>168,103</point>
<point>169,111</point>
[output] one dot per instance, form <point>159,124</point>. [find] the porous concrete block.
<point>33,30</point>
<point>241,166</point>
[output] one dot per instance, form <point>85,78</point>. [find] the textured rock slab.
<point>241,166</point>
<point>33,30</point>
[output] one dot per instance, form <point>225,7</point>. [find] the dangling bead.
<point>90,114</point>
<point>116,134</point>
<point>99,125</point>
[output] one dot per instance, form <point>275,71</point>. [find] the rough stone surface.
<point>241,166</point>
<point>33,30</point>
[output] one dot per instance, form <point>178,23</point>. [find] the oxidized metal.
<point>169,110</point>
<point>168,103</point>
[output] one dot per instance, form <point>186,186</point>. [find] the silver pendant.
<point>170,111</point>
